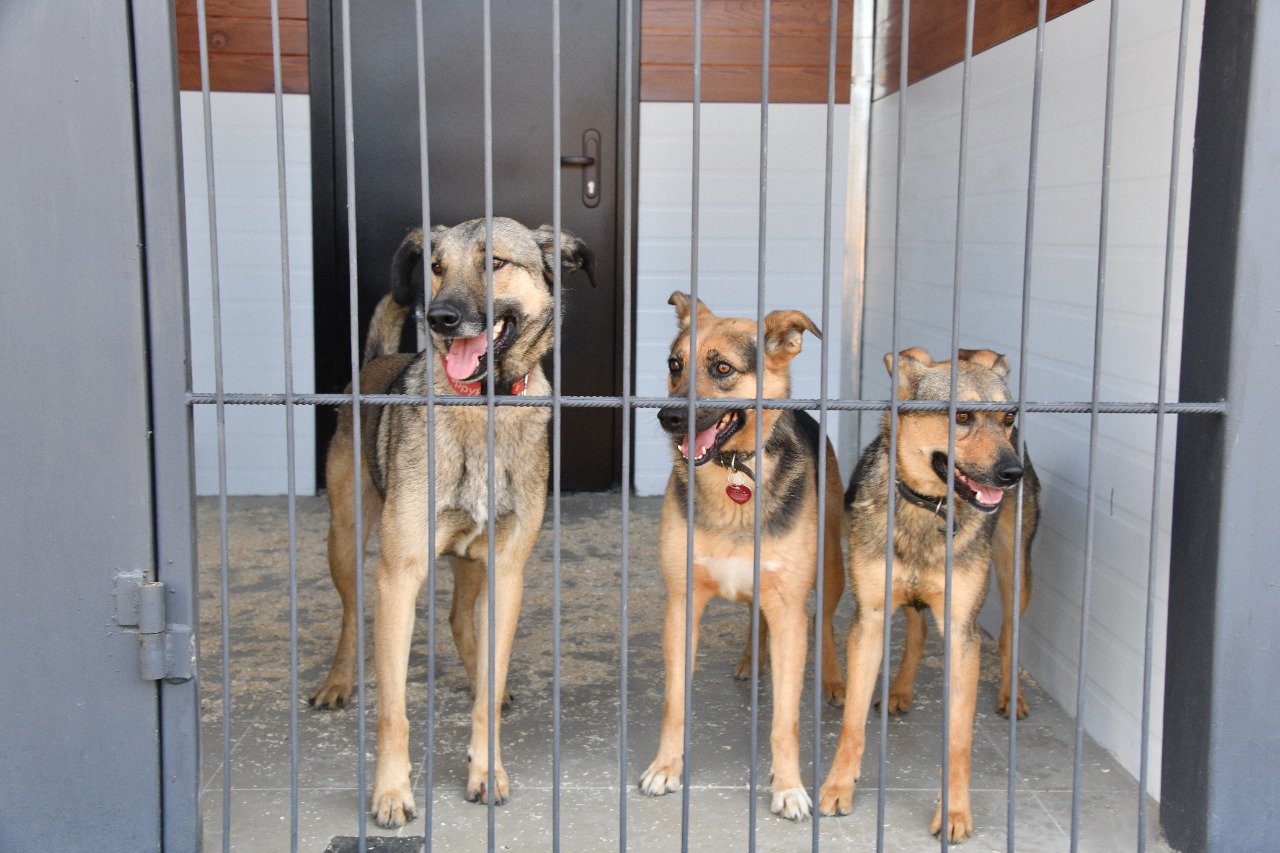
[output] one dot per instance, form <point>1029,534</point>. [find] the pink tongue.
<point>987,495</point>
<point>464,356</point>
<point>703,440</point>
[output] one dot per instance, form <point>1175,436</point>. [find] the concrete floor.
<point>330,801</point>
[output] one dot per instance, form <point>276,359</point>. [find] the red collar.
<point>475,389</point>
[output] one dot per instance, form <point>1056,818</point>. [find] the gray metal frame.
<point>1220,780</point>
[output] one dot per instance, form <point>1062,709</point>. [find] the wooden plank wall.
<point>732,30</point>
<point>239,34</point>
<point>937,33</point>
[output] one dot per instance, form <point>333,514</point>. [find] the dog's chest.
<point>463,463</point>
<point>733,575</point>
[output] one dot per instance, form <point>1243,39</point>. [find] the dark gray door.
<point>79,729</point>
<point>387,170</point>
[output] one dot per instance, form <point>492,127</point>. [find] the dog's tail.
<point>388,318</point>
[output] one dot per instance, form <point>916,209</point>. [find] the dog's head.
<point>724,365</point>
<point>524,262</point>
<point>986,462</point>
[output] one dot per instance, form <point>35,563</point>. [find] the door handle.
<point>589,162</point>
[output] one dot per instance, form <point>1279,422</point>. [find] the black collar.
<point>937,506</point>
<point>735,462</point>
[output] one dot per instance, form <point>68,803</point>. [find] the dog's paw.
<point>793,803</point>
<point>742,672</point>
<point>836,798</point>
<point>662,777</point>
<point>1002,706</point>
<point>899,701</point>
<point>833,692</point>
<point>478,784</point>
<point>332,695</point>
<point>959,824</point>
<point>393,808</point>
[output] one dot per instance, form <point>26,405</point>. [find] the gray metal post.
<point>1220,779</point>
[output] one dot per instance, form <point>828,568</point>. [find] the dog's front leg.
<point>398,580</point>
<point>865,653</point>
<point>964,696</point>
<point>663,775</point>
<point>787,646</point>
<point>508,591</point>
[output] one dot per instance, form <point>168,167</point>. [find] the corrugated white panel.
<point>244,140</point>
<point>1059,357</point>
<point>728,246</point>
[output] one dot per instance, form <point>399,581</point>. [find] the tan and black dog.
<point>394,477</point>
<point>987,468</point>
<point>784,479</point>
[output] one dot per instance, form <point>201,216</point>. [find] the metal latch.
<point>166,651</point>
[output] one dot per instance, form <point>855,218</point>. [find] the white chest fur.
<point>734,575</point>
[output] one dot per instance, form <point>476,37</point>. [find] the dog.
<point>784,479</point>
<point>394,477</point>
<point>987,468</point>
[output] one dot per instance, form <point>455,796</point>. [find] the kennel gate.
<point>1219,520</point>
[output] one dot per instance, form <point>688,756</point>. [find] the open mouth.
<point>467,359</point>
<point>711,439</point>
<point>981,497</point>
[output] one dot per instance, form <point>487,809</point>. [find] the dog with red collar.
<point>465,355</point>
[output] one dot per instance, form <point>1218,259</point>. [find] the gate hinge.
<point>166,651</point>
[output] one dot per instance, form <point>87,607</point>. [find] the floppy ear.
<point>574,254</point>
<point>682,302</point>
<point>911,365</point>
<point>783,333</point>
<point>988,359</point>
<point>402,265</point>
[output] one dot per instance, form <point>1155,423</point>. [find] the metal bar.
<point>429,364</point>
<point>556,423</point>
<point>220,408</point>
<point>1033,163</point>
<point>693,418</point>
<point>948,657</point>
<point>354,344</point>
<point>757,518</point>
<point>819,579</point>
<point>1090,499</point>
<point>627,302</point>
<point>290,462</point>
<point>494,702</point>
<point>894,406</point>
<point>1175,159</point>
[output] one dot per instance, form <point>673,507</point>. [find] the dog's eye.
<point>673,364</point>
<point>722,368</point>
<point>499,263</point>
<point>436,269</point>
<point>1009,418</point>
<point>963,418</point>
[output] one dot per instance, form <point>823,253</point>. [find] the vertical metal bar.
<point>627,414</point>
<point>820,556</point>
<point>491,568</point>
<point>219,392</point>
<point>353,292</point>
<point>429,362</point>
<point>693,418</point>
<point>1175,160</point>
<point>948,658</point>
<point>290,463</point>
<point>757,519</point>
<point>556,415</point>
<point>1033,163</point>
<point>1090,500</point>
<point>895,335</point>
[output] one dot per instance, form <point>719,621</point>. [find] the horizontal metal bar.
<point>586,402</point>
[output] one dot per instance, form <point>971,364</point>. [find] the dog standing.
<point>394,478</point>
<point>785,480</point>
<point>987,467</point>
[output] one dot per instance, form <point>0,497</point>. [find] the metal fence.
<point>630,405</point>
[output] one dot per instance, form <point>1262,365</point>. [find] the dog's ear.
<point>403,263</point>
<point>911,365</point>
<point>988,359</point>
<point>784,331</point>
<point>574,254</point>
<point>682,301</point>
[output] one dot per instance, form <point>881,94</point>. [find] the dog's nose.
<point>444,316</point>
<point>1008,471</point>
<point>674,419</point>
